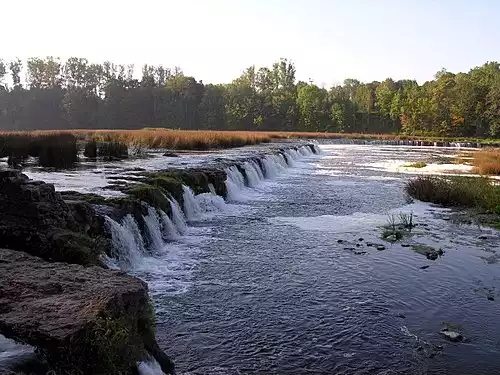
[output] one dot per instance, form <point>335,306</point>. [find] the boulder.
<point>35,219</point>
<point>85,320</point>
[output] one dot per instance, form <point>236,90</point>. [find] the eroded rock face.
<point>87,320</point>
<point>37,220</point>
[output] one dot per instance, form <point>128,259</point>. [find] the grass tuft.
<point>456,191</point>
<point>487,162</point>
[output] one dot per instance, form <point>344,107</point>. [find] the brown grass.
<point>162,138</point>
<point>487,162</point>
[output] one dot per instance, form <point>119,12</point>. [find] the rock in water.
<point>85,320</point>
<point>451,335</point>
<point>380,247</point>
<point>170,154</point>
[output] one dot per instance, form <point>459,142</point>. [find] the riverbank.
<point>64,148</point>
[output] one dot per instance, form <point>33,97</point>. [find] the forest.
<point>48,93</point>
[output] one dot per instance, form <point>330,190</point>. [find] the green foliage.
<point>78,248</point>
<point>77,94</point>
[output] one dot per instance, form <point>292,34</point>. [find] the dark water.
<point>273,292</point>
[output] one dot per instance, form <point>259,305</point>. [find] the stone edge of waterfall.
<point>172,199</point>
<point>49,255</point>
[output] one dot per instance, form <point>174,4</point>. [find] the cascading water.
<point>153,227</point>
<point>273,165</point>
<point>235,183</point>
<point>130,245</point>
<point>178,217</point>
<point>169,230</point>
<point>251,173</point>
<point>191,207</point>
<point>127,241</point>
<point>209,202</point>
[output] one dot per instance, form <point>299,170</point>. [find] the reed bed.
<point>59,148</point>
<point>487,162</point>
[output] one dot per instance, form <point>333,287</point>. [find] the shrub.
<point>455,191</point>
<point>112,149</point>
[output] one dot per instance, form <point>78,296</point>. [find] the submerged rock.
<point>171,154</point>
<point>424,267</point>
<point>429,252</point>
<point>85,320</point>
<point>451,335</point>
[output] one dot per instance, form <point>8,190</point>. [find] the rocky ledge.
<point>35,219</point>
<point>55,293</point>
<point>85,320</point>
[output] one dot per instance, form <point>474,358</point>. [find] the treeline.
<point>76,94</point>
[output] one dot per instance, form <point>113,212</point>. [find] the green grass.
<point>418,164</point>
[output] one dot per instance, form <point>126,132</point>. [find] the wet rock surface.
<point>86,319</point>
<point>451,335</point>
<point>36,219</point>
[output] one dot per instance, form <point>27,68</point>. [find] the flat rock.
<point>70,311</point>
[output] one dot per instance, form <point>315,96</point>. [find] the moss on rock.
<point>153,195</point>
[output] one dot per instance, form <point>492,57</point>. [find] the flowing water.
<point>279,279</point>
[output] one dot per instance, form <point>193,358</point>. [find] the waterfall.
<point>127,241</point>
<point>272,166</point>
<point>169,230</point>
<point>191,207</point>
<point>149,367</point>
<point>235,183</point>
<point>177,216</point>
<point>209,202</point>
<point>253,177</point>
<point>130,245</point>
<point>153,227</point>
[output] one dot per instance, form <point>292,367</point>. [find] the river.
<point>281,280</point>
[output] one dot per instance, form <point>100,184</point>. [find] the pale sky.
<point>215,40</point>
